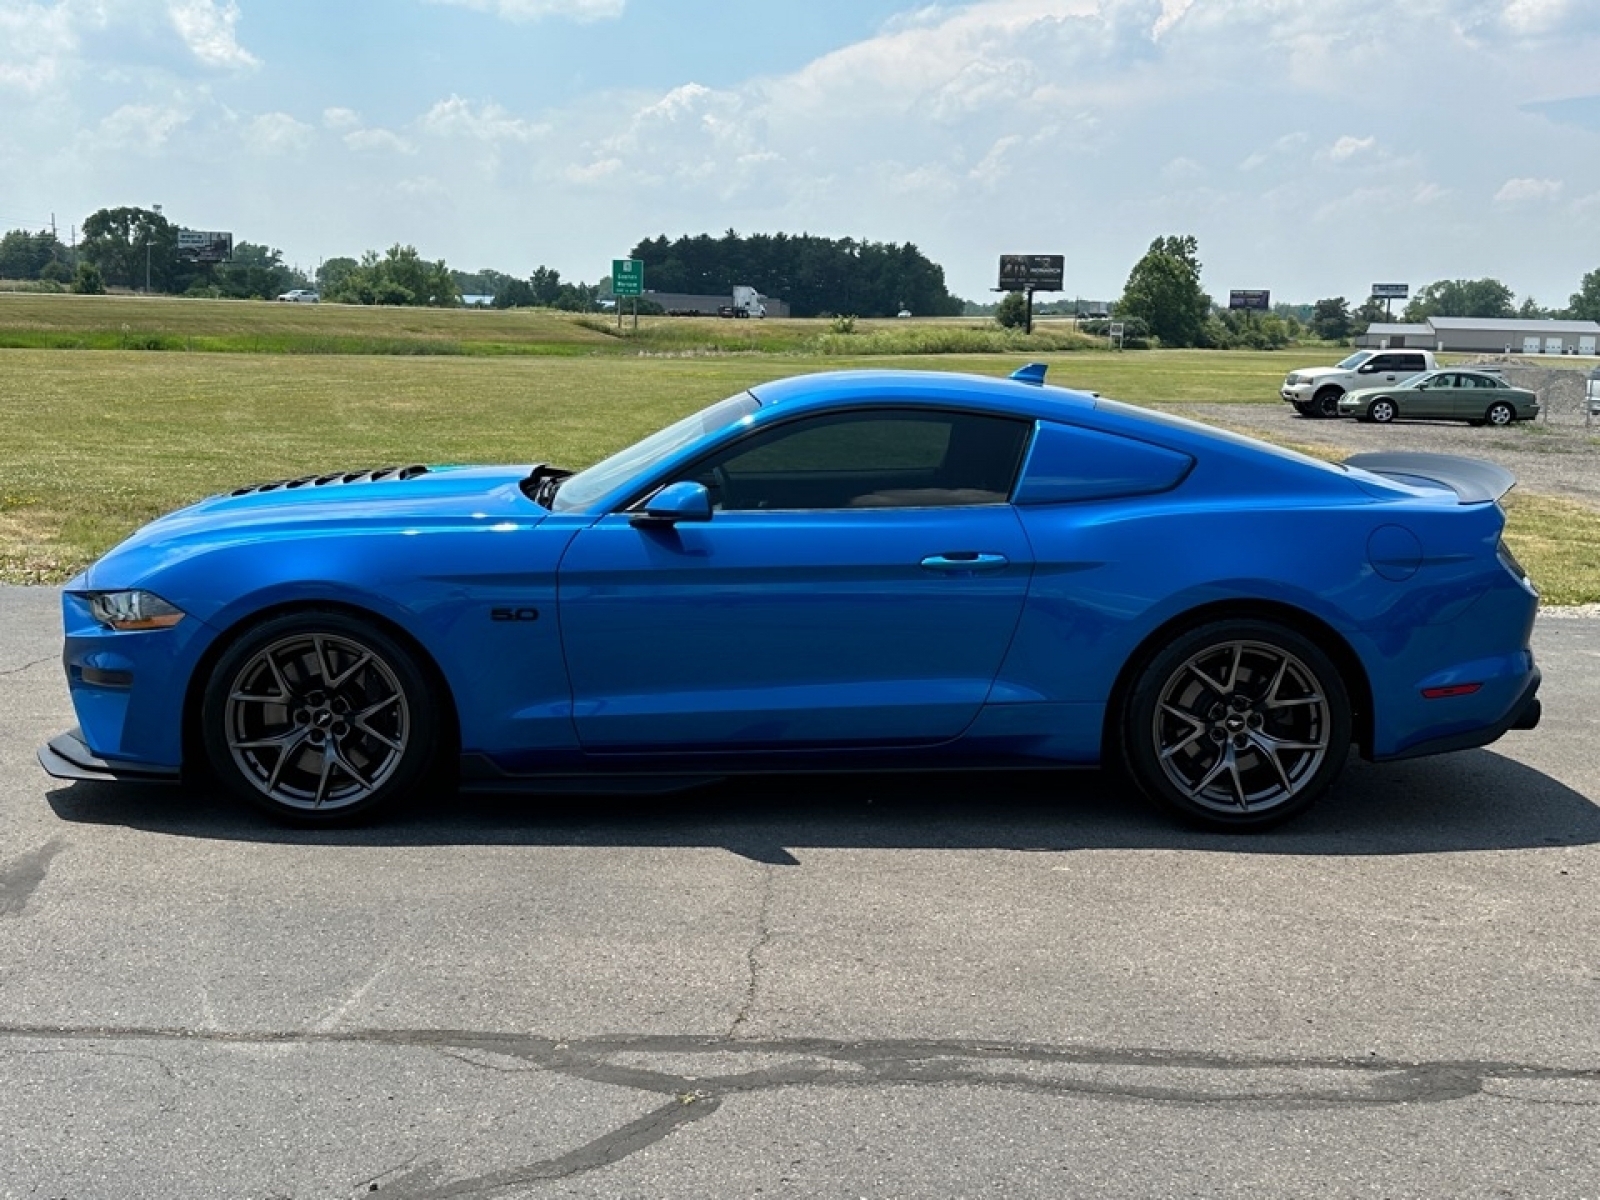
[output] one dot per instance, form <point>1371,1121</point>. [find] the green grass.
<point>97,443</point>
<point>1558,543</point>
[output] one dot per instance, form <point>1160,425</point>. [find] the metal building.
<point>1488,335</point>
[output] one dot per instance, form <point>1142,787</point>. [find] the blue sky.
<point>1313,147</point>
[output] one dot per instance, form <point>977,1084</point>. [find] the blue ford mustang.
<point>851,571</point>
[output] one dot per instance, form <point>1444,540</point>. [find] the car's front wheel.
<point>1327,402</point>
<point>318,718</point>
<point>1500,413</point>
<point>1381,410</point>
<point>1237,725</point>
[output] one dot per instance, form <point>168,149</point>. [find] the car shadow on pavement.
<point>1474,800</point>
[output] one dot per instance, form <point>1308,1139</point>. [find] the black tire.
<point>318,718</point>
<point>1306,408</point>
<point>1236,725</point>
<point>1500,413</point>
<point>1382,410</point>
<point>1327,402</point>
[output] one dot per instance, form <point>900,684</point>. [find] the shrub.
<point>1012,311</point>
<point>88,281</point>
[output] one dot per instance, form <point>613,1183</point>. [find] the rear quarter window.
<point>1068,464</point>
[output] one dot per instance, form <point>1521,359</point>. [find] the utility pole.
<point>157,209</point>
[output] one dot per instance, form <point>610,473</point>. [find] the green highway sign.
<point>627,277</point>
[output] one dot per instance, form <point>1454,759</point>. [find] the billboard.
<point>1391,291</point>
<point>1257,300</point>
<point>1031,272</point>
<point>195,245</point>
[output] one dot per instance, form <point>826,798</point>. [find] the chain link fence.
<point>1563,392</point>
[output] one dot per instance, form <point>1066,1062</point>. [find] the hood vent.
<point>382,474</point>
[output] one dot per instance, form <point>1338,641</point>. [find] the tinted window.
<point>587,486</point>
<point>870,459</point>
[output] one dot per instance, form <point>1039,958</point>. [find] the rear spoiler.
<point>1473,480</point>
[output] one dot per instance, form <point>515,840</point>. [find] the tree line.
<point>816,276</point>
<point>137,249</point>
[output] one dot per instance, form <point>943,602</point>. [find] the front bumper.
<point>67,756</point>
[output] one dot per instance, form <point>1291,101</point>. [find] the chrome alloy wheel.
<point>316,722</point>
<point>1242,727</point>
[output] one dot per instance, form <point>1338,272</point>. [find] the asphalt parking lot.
<point>964,986</point>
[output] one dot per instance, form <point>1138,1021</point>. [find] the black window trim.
<point>637,502</point>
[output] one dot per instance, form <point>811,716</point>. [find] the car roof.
<point>828,388</point>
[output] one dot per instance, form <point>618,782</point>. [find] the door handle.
<point>964,560</point>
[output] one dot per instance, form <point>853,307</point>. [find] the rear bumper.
<point>67,756</point>
<point>1523,714</point>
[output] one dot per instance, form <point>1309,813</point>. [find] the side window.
<point>1411,362</point>
<point>880,458</point>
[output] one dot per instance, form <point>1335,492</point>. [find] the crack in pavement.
<point>1127,1075</point>
<point>753,954</point>
<point>28,666</point>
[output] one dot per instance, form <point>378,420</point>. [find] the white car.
<point>300,296</point>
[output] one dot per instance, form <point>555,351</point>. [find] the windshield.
<point>586,487</point>
<point>1355,360</point>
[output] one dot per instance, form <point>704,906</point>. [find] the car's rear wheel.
<point>1327,402</point>
<point>318,718</point>
<point>1500,413</point>
<point>1237,725</point>
<point>1381,410</point>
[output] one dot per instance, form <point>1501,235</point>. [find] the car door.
<point>1486,391</point>
<point>1383,369</point>
<point>1437,399</point>
<point>857,584</point>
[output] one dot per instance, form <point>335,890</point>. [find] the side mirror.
<point>681,501</point>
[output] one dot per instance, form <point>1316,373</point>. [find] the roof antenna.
<point>1032,373</point>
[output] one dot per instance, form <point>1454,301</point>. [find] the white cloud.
<point>1349,147</point>
<point>206,27</point>
<point>602,171</point>
<point>378,141</point>
<point>533,10</point>
<point>456,117</point>
<point>1516,192</point>
<point>1287,145</point>
<point>278,133</point>
<point>41,41</point>
<point>341,118</point>
<point>139,127</point>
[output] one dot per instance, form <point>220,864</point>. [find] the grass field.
<point>96,442</point>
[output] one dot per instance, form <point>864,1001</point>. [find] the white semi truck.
<point>747,302</point>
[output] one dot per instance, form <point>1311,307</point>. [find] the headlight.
<point>133,610</point>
